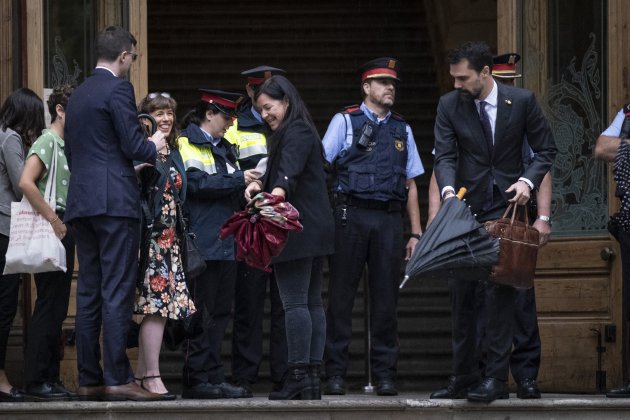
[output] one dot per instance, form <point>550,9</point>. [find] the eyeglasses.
<point>133,55</point>
<point>156,94</point>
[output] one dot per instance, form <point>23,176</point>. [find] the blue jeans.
<point>300,287</point>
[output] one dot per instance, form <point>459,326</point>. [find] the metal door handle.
<point>607,254</point>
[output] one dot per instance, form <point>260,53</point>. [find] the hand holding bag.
<point>518,249</point>
<point>33,245</point>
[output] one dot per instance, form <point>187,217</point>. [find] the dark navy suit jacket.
<point>103,138</point>
<point>462,157</point>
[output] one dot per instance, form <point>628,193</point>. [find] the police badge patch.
<point>400,145</point>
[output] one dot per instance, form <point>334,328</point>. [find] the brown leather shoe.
<point>90,393</point>
<point>130,391</point>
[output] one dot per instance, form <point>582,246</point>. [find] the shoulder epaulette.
<point>397,116</point>
<point>352,109</point>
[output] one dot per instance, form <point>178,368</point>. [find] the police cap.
<point>504,66</point>
<point>258,75</point>
<point>380,68</point>
<point>226,102</point>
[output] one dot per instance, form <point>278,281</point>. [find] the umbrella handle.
<point>462,192</point>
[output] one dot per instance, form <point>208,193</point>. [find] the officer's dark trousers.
<point>43,348</point>
<point>9,288</point>
<point>497,309</point>
<point>107,250</point>
<point>213,293</point>
<point>247,333</point>
<point>375,237</point>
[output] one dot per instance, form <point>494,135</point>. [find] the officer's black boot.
<point>316,386</point>
<point>297,385</point>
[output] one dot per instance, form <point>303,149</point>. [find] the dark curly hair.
<point>59,96</point>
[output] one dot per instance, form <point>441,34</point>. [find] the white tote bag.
<point>33,245</point>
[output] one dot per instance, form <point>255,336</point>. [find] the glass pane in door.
<point>566,71</point>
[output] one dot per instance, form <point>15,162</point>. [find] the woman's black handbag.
<point>193,261</point>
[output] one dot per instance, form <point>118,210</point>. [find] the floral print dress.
<point>164,291</point>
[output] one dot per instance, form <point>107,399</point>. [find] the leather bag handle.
<point>514,209</point>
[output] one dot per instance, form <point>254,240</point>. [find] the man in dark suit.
<point>103,139</point>
<point>479,131</point>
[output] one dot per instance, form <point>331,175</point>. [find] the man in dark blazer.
<point>479,131</point>
<point>103,138</point>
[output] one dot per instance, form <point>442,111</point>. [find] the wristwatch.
<point>545,219</point>
<point>415,235</point>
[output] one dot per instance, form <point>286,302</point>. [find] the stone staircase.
<point>201,43</point>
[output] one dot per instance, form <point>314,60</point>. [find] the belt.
<point>389,206</point>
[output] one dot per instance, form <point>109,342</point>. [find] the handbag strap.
<point>50,193</point>
<point>166,166</point>
<point>514,208</point>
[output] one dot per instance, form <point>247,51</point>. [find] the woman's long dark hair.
<point>23,112</point>
<point>280,88</point>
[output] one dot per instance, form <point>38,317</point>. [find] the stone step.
<point>351,407</point>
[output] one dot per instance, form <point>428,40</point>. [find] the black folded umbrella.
<point>454,239</point>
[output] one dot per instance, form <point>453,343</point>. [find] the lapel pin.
<point>508,101</point>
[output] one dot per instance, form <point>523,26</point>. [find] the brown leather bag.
<point>518,248</point>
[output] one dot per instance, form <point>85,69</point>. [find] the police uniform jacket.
<point>248,133</point>
<point>297,166</point>
<point>377,169</point>
<point>212,192</point>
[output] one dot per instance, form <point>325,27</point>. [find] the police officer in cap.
<point>248,133</point>
<point>375,161</point>
<point>215,185</point>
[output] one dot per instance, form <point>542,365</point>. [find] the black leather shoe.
<point>457,388</point>
<point>386,387</point>
<point>232,391</point>
<point>44,392</point>
<point>488,390</point>
<point>245,384</point>
<point>335,385</point>
<point>203,391</point>
<point>622,392</point>
<point>14,395</point>
<point>59,387</point>
<point>528,389</point>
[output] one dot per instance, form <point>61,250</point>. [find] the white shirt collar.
<point>108,69</point>
<point>492,98</point>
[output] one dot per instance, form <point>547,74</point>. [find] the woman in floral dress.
<point>163,293</point>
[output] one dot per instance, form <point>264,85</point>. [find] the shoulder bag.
<point>33,245</point>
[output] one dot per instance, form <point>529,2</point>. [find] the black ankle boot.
<point>297,385</point>
<point>316,387</point>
